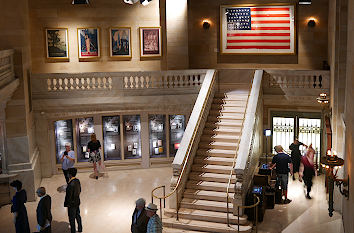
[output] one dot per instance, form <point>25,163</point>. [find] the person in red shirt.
<point>307,169</point>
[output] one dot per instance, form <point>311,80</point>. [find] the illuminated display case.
<point>177,127</point>
<point>131,133</point>
<point>157,136</point>
<point>111,137</point>
<point>84,130</point>
<point>63,134</point>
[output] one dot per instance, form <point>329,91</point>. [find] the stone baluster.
<point>104,81</point>
<point>109,83</point>
<point>71,83</point>
<point>66,84</point>
<point>54,84</point>
<point>60,83</point>
<point>126,79</point>
<point>49,84</point>
<point>93,81</point>
<point>131,82</point>
<point>148,82</point>
<point>88,85</point>
<point>142,83</point>
<point>136,82</point>
<point>99,83</point>
<point>82,82</point>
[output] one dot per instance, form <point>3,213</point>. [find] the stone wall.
<point>204,44</point>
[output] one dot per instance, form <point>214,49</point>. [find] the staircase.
<point>203,207</point>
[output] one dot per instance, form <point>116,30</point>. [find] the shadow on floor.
<point>60,227</point>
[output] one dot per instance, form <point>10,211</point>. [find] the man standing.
<point>296,155</point>
<point>139,218</point>
<point>44,215</point>
<point>68,160</point>
<point>72,200</point>
<point>282,162</point>
<point>154,224</point>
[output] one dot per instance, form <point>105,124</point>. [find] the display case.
<point>177,127</point>
<point>157,136</point>
<point>131,133</point>
<point>63,134</point>
<point>111,137</point>
<point>84,130</point>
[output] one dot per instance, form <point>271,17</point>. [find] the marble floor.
<point>107,204</point>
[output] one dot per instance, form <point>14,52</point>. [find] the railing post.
<point>256,218</point>
<point>164,194</point>
<point>177,203</point>
<point>238,218</point>
<point>227,209</point>
<point>160,209</point>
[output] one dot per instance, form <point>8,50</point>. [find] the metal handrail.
<point>248,207</point>
<point>235,157</point>
<point>175,190</point>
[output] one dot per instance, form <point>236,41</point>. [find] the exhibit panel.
<point>63,130</point>
<point>132,140</point>
<point>177,127</point>
<point>157,136</point>
<point>111,137</point>
<point>85,127</point>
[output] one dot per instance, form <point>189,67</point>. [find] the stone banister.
<point>250,147</point>
<point>7,74</point>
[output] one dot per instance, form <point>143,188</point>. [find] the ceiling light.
<point>304,2</point>
<point>131,1</point>
<point>74,2</point>
<point>145,2</point>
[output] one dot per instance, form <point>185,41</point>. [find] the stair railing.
<point>234,161</point>
<point>196,123</point>
<point>248,207</point>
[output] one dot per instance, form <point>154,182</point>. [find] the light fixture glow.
<point>145,2</point>
<point>305,2</point>
<point>131,2</point>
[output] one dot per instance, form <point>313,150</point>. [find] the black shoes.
<point>96,177</point>
<point>286,201</point>
<point>308,196</point>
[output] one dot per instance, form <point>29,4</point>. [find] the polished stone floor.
<point>107,205</point>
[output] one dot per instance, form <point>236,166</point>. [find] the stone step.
<point>229,124</point>
<point>207,195</point>
<point>210,186</point>
<point>216,153</point>
<point>216,206</point>
<point>203,215</point>
<point>195,225</point>
<point>213,177</point>
<point>228,109</point>
<point>222,131</point>
<point>230,115</point>
<point>218,145</point>
<point>202,160</point>
<point>221,138</point>
<point>231,102</point>
<point>212,168</point>
<point>214,118</point>
<point>231,96</point>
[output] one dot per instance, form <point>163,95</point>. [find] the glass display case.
<point>84,130</point>
<point>177,127</point>
<point>131,133</point>
<point>157,136</point>
<point>111,137</point>
<point>63,134</point>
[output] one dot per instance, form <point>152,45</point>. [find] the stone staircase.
<point>203,207</point>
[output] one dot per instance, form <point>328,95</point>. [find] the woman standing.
<point>18,208</point>
<point>93,147</point>
<point>296,155</point>
<point>307,169</point>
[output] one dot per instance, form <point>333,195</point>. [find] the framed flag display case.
<point>177,127</point>
<point>258,29</point>
<point>157,136</point>
<point>111,137</point>
<point>132,140</point>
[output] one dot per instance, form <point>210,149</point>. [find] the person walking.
<point>296,155</point>
<point>139,218</point>
<point>72,200</point>
<point>93,147</point>
<point>18,208</point>
<point>44,215</point>
<point>67,160</point>
<point>282,163</point>
<point>155,223</point>
<point>307,170</point>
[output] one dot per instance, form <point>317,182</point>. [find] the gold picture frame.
<point>257,51</point>
<point>120,43</point>
<point>56,44</point>
<point>88,40</point>
<point>150,42</point>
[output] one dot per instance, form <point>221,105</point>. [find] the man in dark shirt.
<point>282,162</point>
<point>44,215</point>
<point>72,200</point>
<point>139,218</point>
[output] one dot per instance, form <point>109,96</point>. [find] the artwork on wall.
<point>57,46</point>
<point>120,43</point>
<point>150,42</point>
<point>89,43</point>
<point>258,29</point>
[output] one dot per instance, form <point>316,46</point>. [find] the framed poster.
<point>89,43</point>
<point>120,43</point>
<point>56,42</point>
<point>258,29</point>
<point>150,42</point>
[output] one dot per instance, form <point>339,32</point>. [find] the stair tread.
<point>207,192</point>
<point>209,184</point>
<point>224,129</point>
<point>222,143</point>
<point>206,213</point>
<point>216,151</point>
<point>211,158</point>
<point>211,226</point>
<point>226,168</point>
<point>206,202</point>
<point>209,174</point>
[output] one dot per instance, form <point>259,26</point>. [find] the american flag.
<point>260,29</point>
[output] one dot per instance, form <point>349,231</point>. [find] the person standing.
<point>18,208</point>
<point>72,200</point>
<point>44,215</point>
<point>67,160</point>
<point>283,164</point>
<point>296,155</point>
<point>307,170</point>
<point>139,217</point>
<point>93,147</point>
<point>155,223</point>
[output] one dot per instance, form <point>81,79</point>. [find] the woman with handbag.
<point>93,147</point>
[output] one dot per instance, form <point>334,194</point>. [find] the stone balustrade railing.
<point>319,79</point>
<point>103,81</point>
<point>6,67</point>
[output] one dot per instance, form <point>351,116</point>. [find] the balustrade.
<point>67,84</point>
<point>6,67</point>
